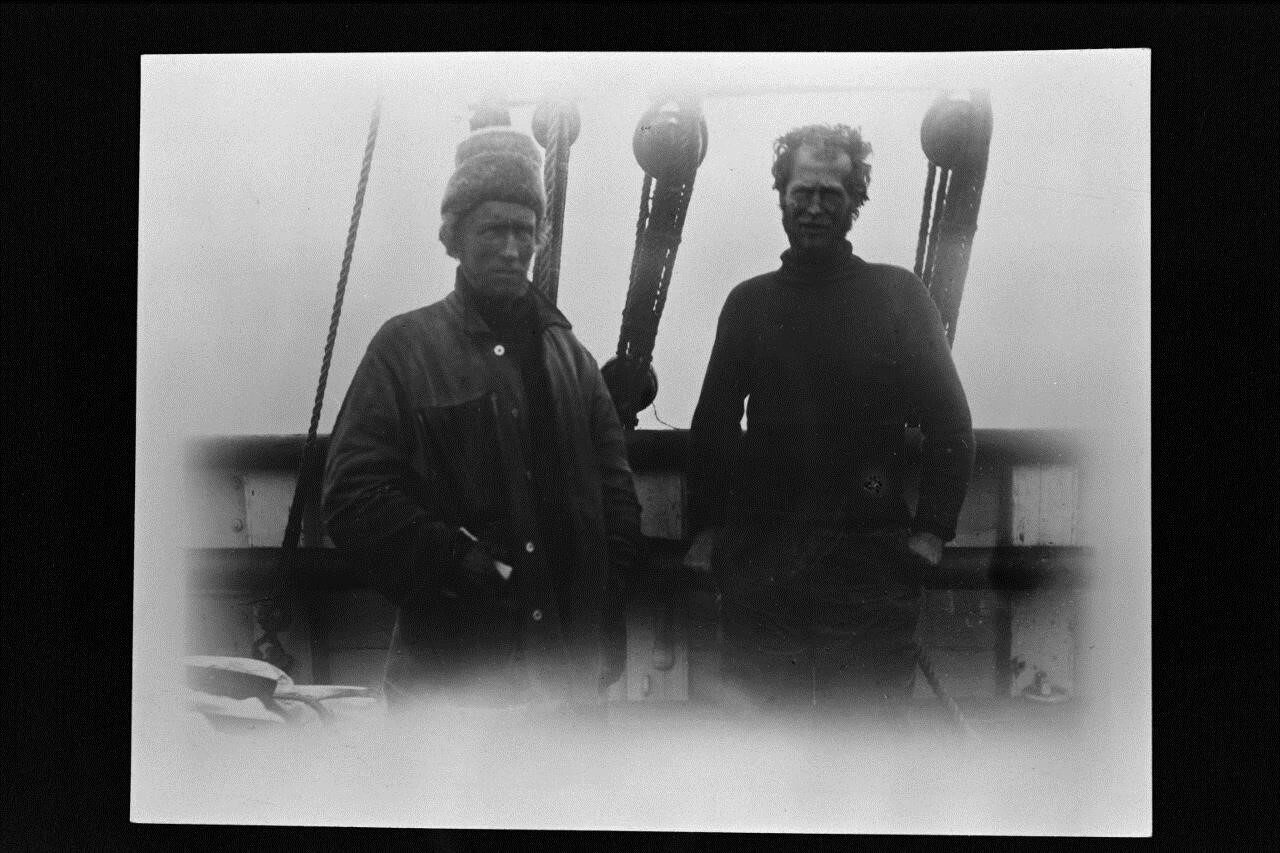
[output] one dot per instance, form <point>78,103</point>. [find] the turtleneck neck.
<point>819,267</point>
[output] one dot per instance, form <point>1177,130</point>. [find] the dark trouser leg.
<point>865,612</point>
<point>765,664</point>
<point>865,607</point>
<point>764,667</point>
<point>816,620</point>
<point>871,675</point>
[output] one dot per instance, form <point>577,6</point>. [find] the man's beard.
<point>821,243</point>
<point>503,300</point>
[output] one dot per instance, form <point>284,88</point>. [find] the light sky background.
<point>249,166</point>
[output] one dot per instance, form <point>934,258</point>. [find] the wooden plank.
<point>649,450</point>
<point>215,509</point>
<point>661,496</point>
<point>963,673</point>
<point>1045,505</point>
<point>1025,505</point>
<point>1059,501</point>
<point>357,619</point>
<point>990,516</point>
<point>259,568</point>
<point>1005,567</point>
<point>268,495</point>
<point>645,682</point>
<point>979,523</point>
<point>1042,639</point>
<point>962,619</point>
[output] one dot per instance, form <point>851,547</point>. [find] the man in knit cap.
<point>818,559</point>
<point>477,471</point>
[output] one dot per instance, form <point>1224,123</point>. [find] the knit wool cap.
<point>496,164</point>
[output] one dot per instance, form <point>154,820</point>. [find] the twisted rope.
<point>273,614</point>
<point>924,221</point>
<point>939,206</point>
<point>295,511</point>
<point>641,222</point>
<point>555,172</point>
<point>657,240</point>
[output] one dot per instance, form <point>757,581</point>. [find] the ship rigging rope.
<point>274,616</point>
<point>546,272</point>
<point>645,189</point>
<point>939,210</point>
<point>926,257</point>
<point>670,143</point>
<point>295,510</point>
<point>560,132</point>
<point>658,229</point>
<point>924,221</point>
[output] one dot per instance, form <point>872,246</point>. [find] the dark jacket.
<point>431,435</point>
<point>834,360</point>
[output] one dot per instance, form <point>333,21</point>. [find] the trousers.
<point>818,619</point>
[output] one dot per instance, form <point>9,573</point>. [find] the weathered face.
<point>494,245</point>
<point>816,209</point>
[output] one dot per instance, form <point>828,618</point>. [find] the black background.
<point>69,149</point>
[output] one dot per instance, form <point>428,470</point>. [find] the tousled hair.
<point>831,140</point>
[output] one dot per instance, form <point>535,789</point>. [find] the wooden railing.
<point>1001,609</point>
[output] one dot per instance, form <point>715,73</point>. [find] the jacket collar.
<point>473,324</point>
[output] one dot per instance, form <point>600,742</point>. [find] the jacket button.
<point>499,350</point>
<point>528,547</point>
<point>536,615</point>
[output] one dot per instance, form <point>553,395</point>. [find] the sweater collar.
<point>837,264</point>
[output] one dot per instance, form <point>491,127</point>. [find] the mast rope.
<point>939,209</point>
<point>669,143</point>
<point>555,126</point>
<point>924,221</point>
<point>955,136</point>
<point>273,614</point>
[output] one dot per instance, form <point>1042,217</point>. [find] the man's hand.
<point>498,555</point>
<point>479,564</point>
<point>926,546</point>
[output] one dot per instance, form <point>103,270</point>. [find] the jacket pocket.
<point>461,458</point>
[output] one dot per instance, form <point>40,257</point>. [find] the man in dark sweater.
<point>818,558</point>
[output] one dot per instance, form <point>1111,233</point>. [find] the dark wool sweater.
<point>833,359</point>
